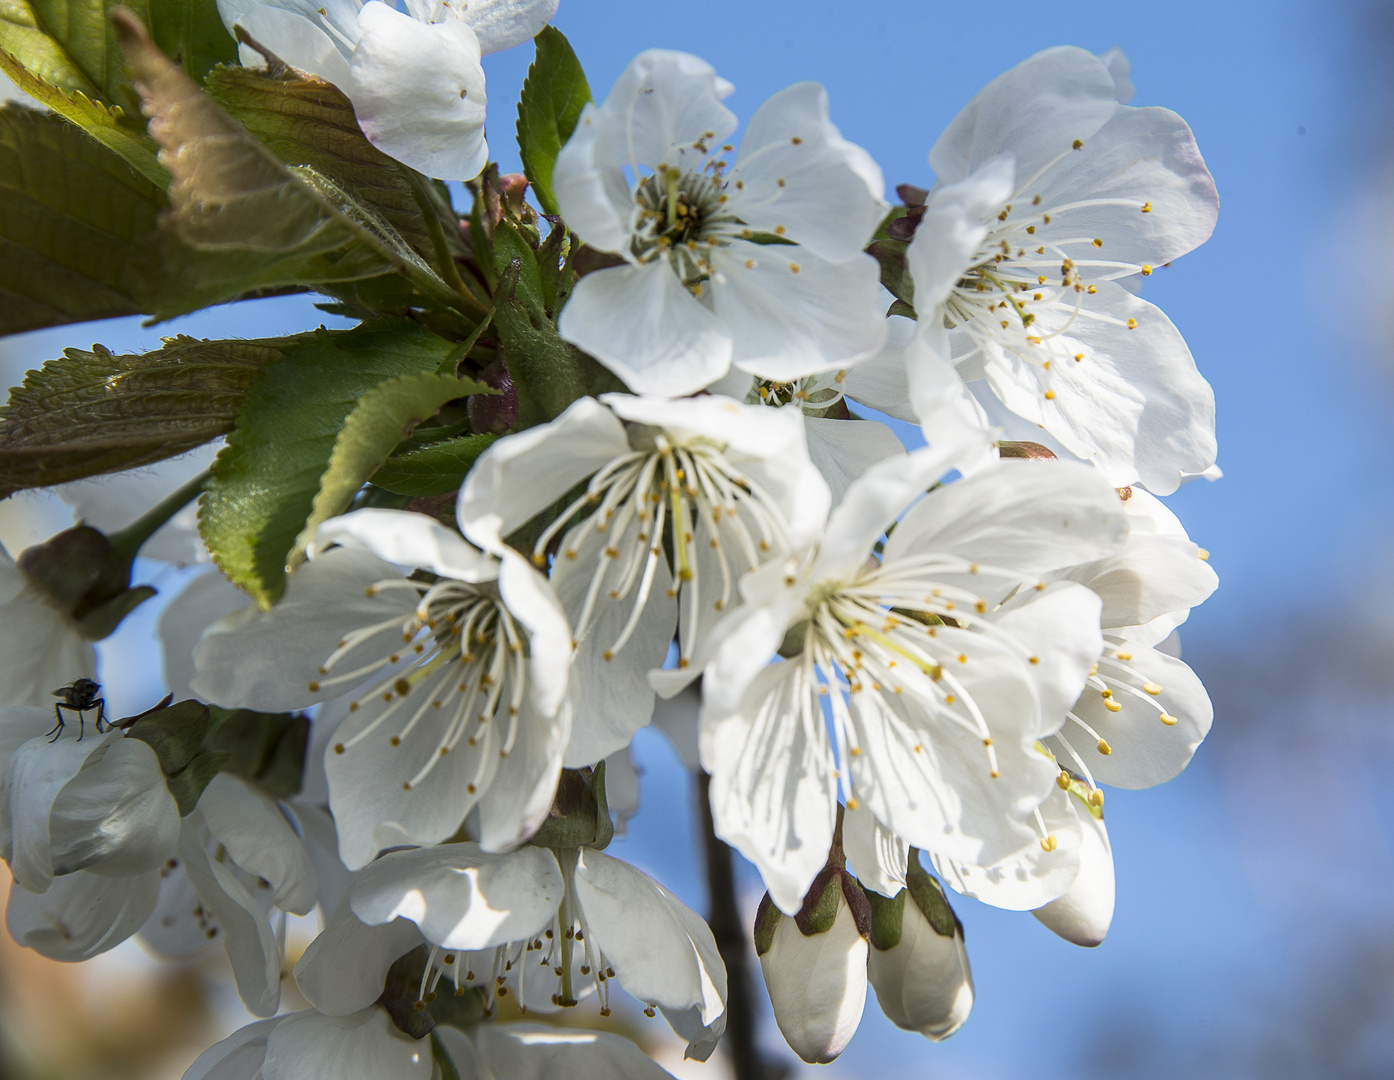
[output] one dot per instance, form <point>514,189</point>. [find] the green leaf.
<point>96,412</point>
<point>894,272</point>
<point>383,417</point>
<point>267,749</point>
<point>188,785</point>
<point>554,94</point>
<point>105,124</point>
<point>267,476</point>
<point>432,470</point>
<point>304,120</point>
<point>267,223</point>
<point>72,44</point>
<point>175,732</point>
<point>929,897</point>
<point>73,217</point>
<point>887,918</point>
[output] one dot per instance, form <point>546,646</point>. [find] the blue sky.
<point>1202,951</point>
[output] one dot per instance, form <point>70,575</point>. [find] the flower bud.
<point>814,965</point>
<point>918,965</point>
<point>1084,913</point>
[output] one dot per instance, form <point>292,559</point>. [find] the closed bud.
<point>1083,914</point>
<point>918,965</point>
<point>814,965</point>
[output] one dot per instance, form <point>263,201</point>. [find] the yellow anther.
<point>313,687</point>
<point>1132,324</point>
<point>1112,706</point>
<point>1063,781</point>
<point>852,804</point>
<point>1049,844</point>
<point>1097,242</point>
<point>1078,357</point>
<point>1203,554</point>
<point>1167,719</point>
<point>794,268</point>
<point>1151,688</point>
<point>1035,659</point>
<point>1078,143</point>
<point>1050,395</point>
<point>1123,655</point>
<point>1146,270</point>
<point>1147,208</point>
<point>1104,748</point>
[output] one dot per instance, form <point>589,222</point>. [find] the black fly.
<point>78,697</point>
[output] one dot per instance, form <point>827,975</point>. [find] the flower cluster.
<point>600,457</point>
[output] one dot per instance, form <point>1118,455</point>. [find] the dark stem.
<point>733,940</point>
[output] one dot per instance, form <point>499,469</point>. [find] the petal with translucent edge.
<point>610,693</point>
<point>343,969</point>
<point>1083,914</point>
<point>260,840</point>
<point>361,1046</point>
<point>501,24</point>
<point>178,926</point>
<point>879,381</point>
<point>18,724</point>
<point>774,789</point>
<point>1034,112</point>
<point>521,475</point>
<point>202,602</point>
<point>531,599</point>
<point>844,449</point>
<point>521,795</point>
<point>1135,404</point>
<point>796,174</point>
<point>36,773</point>
<point>267,659</point>
<point>662,951</point>
<point>592,193</point>
<point>1033,876</point>
<point>461,896</point>
<point>1164,714</point>
<point>1152,576</point>
<point>871,504</point>
<point>238,1057</point>
<point>679,718</point>
<point>295,32</point>
<point>1141,157</point>
<point>544,1052</point>
<point>41,647</point>
<point>418,92</point>
<point>116,817</point>
<point>663,104</point>
<point>930,779</point>
<point>944,405</point>
<point>1020,515</point>
<point>879,857</point>
<point>81,915</point>
<point>953,228</point>
<point>1059,629</point>
<point>247,935</point>
<point>411,541</point>
<point>643,324</point>
<point>793,313</point>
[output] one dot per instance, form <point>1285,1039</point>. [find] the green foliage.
<point>895,275</point>
<point>72,220</point>
<point>383,417</point>
<point>432,470</point>
<point>267,476</point>
<point>96,412</point>
<point>929,897</point>
<point>554,94</point>
<point>266,749</point>
<point>307,121</point>
<point>887,918</point>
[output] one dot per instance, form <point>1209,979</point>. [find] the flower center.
<point>681,502</point>
<point>464,661</point>
<point>817,394</point>
<point>682,215</point>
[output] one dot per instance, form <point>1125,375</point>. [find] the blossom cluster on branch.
<point>598,452</point>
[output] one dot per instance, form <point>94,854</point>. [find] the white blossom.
<point>754,259</point>
<point>41,646</point>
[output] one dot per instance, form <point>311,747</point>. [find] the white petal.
<point>532,601</point>
<point>266,660</point>
<point>260,840</point>
<point>879,381</point>
<point>116,817</point>
<point>81,915</point>
<point>202,602</point>
<point>361,1046</point>
<point>1035,111</point>
<point>878,856</point>
<point>953,228</point>
<point>817,985</point>
<point>461,896</point>
<point>678,718</point>
<point>544,1052</point>
<point>1033,876</point>
<point>793,313</point>
<point>592,192</point>
<point>1083,914</point>
<point>1060,630</point>
<point>288,28</point>
<point>238,1057</point>
<point>178,926</point>
<point>37,771</point>
<point>844,449</point>
<point>1150,577</point>
<point>251,945</point>
<point>418,92</point>
<point>924,984</point>
<point>1118,66</point>
<point>1021,515</point>
<point>1144,749</point>
<point>411,541</point>
<point>799,176</point>
<point>943,403</point>
<point>41,647</point>
<point>1135,404</point>
<point>521,795</point>
<point>643,324</point>
<point>521,475</point>
<point>773,792</point>
<point>662,952</point>
<point>343,969</point>
<point>501,24</point>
